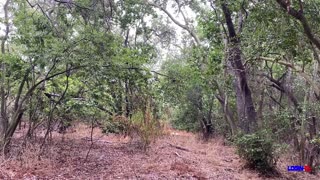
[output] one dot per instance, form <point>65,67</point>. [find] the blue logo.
<point>295,168</point>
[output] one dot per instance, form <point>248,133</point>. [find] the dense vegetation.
<point>235,68</point>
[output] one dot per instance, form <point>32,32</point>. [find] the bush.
<point>280,125</point>
<point>257,149</point>
<point>146,127</point>
<point>142,125</point>
<point>186,119</point>
<point>117,125</point>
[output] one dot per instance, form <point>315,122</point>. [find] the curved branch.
<point>315,85</point>
<point>300,17</point>
<point>43,80</point>
<point>183,26</point>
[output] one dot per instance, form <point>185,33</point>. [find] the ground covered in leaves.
<point>176,155</point>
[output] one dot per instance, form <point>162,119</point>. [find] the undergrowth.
<point>257,150</point>
<point>142,125</point>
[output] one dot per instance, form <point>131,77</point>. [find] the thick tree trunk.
<point>245,106</point>
<point>11,129</point>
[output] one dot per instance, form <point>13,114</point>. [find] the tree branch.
<point>44,13</point>
<point>70,2</point>
<point>300,17</point>
<point>315,85</point>
<point>232,33</point>
<point>183,26</point>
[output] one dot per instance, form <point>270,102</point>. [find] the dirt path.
<point>177,155</point>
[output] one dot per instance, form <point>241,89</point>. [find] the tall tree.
<point>245,107</point>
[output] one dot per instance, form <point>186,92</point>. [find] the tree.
<point>245,106</point>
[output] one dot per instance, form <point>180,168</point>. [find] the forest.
<point>159,89</point>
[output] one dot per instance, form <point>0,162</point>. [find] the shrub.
<point>146,127</point>
<point>142,124</point>
<point>257,150</point>
<point>117,125</point>
<point>186,119</point>
<point>280,125</point>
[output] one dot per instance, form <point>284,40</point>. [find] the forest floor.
<point>176,155</point>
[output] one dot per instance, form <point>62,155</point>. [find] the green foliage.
<point>280,125</point>
<point>186,119</point>
<point>117,125</point>
<point>114,44</point>
<point>258,151</point>
<point>142,125</point>
<point>209,27</point>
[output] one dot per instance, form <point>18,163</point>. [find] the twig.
<point>91,139</point>
<point>176,153</point>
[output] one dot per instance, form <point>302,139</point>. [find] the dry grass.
<point>176,155</point>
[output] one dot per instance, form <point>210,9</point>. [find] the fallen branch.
<point>95,140</point>
<point>179,147</point>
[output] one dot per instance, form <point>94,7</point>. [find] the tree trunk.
<point>312,114</point>
<point>127,102</point>
<point>223,99</point>
<point>207,129</point>
<point>260,108</point>
<point>3,112</point>
<point>245,106</point>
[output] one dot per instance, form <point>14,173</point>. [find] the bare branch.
<point>315,85</point>
<point>183,26</point>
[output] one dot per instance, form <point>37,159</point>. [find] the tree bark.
<point>245,106</point>
<point>3,112</point>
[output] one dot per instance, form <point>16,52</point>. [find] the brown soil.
<point>176,155</point>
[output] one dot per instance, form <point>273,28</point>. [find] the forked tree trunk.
<point>245,106</point>
<point>223,99</point>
